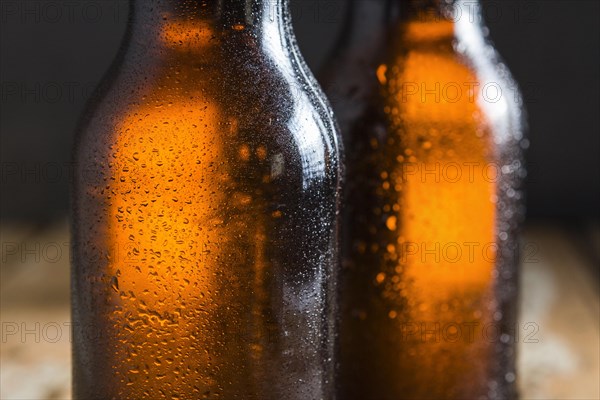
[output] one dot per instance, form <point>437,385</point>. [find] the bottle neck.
<point>367,20</point>
<point>200,22</point>
<point>226,14</point>
<point>428,10</point>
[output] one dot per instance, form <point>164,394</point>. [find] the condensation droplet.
<point>114,284</point>
<point>391,223</point>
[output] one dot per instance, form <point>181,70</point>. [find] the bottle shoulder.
<point>248,76</point>
<point>436,82</point>
<point>251,109</point>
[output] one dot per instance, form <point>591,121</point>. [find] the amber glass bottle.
<point>433,130</point>
<point>204,212</point>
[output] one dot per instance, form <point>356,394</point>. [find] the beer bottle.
<point>433,130</point>
<point>204,212</point>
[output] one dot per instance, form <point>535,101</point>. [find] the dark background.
<point>54,52</point>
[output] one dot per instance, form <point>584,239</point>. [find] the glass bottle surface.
<point>204,212</point>
<point>433,130</point>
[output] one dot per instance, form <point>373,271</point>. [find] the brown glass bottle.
<point>204,212</point>
<point>433,130</point>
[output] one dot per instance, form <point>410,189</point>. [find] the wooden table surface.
<point>559,342</point>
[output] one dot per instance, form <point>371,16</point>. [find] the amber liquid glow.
<point>445,214</point>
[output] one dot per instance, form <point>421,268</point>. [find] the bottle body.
<point>429,282</point>
<point>205,218</point>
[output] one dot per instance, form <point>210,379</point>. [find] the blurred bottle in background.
<point>204,212</point>
<point>433,129</point>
